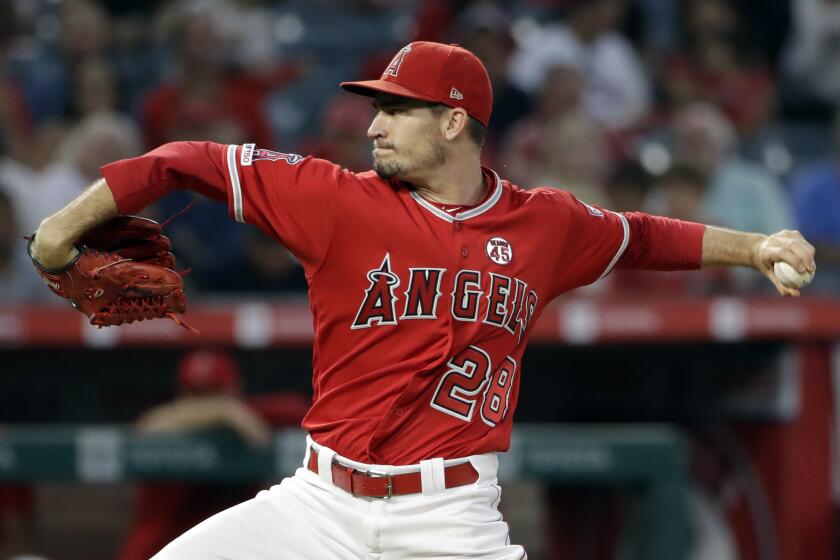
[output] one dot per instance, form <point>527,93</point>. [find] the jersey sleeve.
<point>595,240</point>
<point>660,243</point>
<point>291,198</point>
<point>591,241</point>
<point>137,182</point>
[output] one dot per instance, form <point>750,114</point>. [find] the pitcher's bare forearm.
<point>53,246</point>
<point>726,247</point>
<point>131,185</point>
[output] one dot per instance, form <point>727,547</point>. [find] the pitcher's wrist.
<point>50,250</point>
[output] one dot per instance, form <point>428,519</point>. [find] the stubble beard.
<point>387,169</point>
<point>396,170</point>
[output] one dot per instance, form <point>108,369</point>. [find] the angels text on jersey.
<point>510,304</point>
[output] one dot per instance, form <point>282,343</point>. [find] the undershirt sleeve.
<point>593,241</point>
<point>137,182</point>
<point>659,243</point>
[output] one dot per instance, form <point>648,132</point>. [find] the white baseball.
<point>790,277</point>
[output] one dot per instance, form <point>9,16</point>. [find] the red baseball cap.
<point>435,72</point>
<point>208,370</point>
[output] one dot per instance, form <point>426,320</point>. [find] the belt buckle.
<point>390,486</point>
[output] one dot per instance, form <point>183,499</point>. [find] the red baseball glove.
<point>123,273</point>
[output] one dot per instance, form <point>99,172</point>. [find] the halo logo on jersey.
<point>379,305</point>
<point>499,251</point>
<point>394,68</point>
<point>251,154</point>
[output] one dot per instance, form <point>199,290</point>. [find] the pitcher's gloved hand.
<point>123,273</point>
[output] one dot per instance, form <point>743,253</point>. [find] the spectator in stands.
<point>342,137</point>
<point>216,243</point>
<point>432,18</point>
<point>485,29</point>
<point>94,88</point>
<point>257,48</point>
<point>15,124</point>
<point>84,29</point>
<point>678,193</point>
<point>574,155</point>
<point>616,88</point>
<point>767,25</point>
<point>627,186</point>
<point>43,64</point>
<point>205,98</point>
<point>741,195</point>
<point>682,190</point>
<point>68,161</point>
<point>721,65</point>
<point>34,98</point>
<point>265,267</point>
<point>26,154</point>
<point>209,397</point>
<point>560,96</point>
<point>811,61</point>
<point>95,140</point>
<point>816,205</point>
<point>28,179</point>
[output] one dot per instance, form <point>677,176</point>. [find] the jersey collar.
<point>466,214</point>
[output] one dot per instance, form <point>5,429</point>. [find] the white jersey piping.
<point>471,213</point>
<point>236,188</point>
<point>624,243</point>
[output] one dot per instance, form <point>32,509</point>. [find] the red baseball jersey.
<point>421,315</point>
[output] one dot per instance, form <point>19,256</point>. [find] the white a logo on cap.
<point>394,68</point>
<point>455,94</point>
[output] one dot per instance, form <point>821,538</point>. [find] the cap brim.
<point>370,88</point>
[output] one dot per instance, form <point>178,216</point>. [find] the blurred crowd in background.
<point>720,111</point>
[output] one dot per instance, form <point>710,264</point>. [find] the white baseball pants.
<point>306,517</point>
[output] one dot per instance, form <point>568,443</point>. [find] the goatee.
<point>386,170</point>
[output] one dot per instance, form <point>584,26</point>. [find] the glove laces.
<point>129,310</point>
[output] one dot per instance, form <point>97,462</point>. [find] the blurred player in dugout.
<point>209,397</point>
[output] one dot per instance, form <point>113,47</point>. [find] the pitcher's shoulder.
<point>538,196</point>
<point>371,180</point>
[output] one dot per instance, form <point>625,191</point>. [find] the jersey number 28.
<point>470,378</point>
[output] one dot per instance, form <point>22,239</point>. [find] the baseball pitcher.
<point>426,275</point>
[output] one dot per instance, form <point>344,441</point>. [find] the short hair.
<point>475,130</point>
